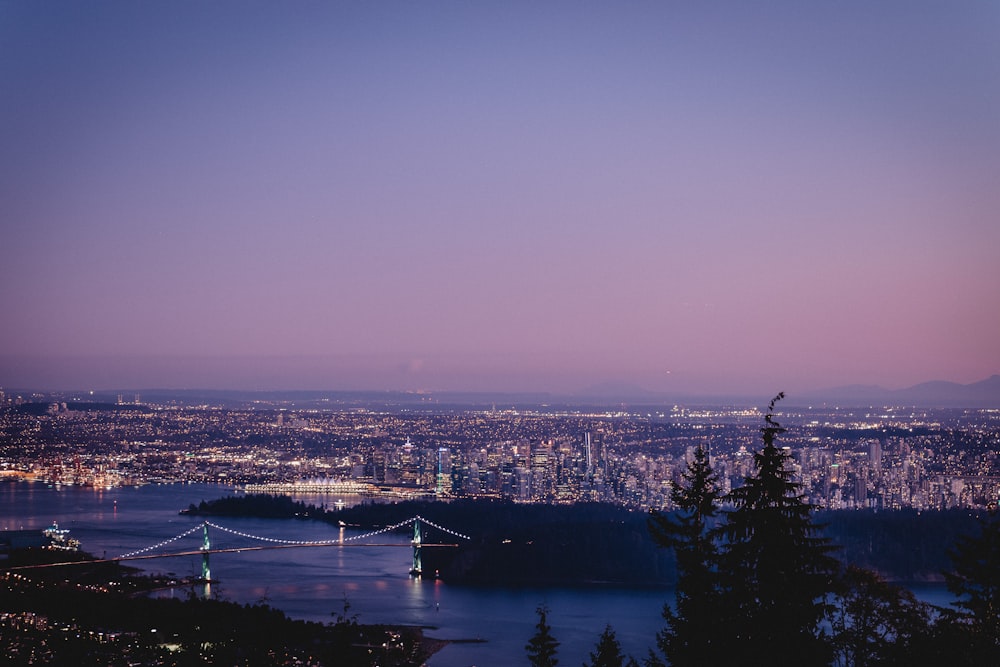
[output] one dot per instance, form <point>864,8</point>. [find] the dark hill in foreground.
<point>95,613</point>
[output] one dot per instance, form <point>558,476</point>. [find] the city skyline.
<point>499,197</point>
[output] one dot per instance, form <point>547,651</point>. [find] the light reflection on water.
<point>313,583</point>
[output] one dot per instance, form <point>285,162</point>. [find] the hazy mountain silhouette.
<point>934,394</point>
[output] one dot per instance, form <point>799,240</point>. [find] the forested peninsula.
<point>592,543</point>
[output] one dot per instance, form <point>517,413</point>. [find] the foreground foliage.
<point>876,623</point>
<point>975,581</point>
<point>691,633</point>
<point>761,586</point>
<point>542,646</point>
<point>775,567</point>
<point>608,652</point>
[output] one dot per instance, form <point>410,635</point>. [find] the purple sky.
<point>701,197</point>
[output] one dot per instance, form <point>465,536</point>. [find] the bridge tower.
<point>206,572</point>
<point>417,565</point>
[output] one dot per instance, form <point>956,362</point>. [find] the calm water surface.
<point>313,583</point>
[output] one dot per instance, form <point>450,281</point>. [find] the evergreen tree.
<point>975,582</point>
<point>542,646</point>
<point>690,635</point>
<point>608,652</point>
<point>775,569</point>
<point>876,623</point>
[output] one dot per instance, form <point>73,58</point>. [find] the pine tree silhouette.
<point>975,582</point>
<point>775,568</point>
<point>608,652</point>
<point>691,636</point>
<point>542,646</point>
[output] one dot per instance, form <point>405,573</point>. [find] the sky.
<point>701,197</point>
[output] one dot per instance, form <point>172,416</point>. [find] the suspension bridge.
<point>159,550</point>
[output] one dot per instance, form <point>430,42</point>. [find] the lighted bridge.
<point>206,549</point>
<point>417,543</point>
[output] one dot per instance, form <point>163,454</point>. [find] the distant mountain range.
<point>937,394</point>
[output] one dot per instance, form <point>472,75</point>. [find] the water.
<point>313,583</point>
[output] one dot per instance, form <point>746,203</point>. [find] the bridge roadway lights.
<point>206,547</point>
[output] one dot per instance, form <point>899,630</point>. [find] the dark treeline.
<point>592,542</point>
<point>900,545</point>
<point>532,544</point>
<point>257,505</point>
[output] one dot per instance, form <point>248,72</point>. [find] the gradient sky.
<point>684,196</point>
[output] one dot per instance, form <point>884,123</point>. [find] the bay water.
<point>314,583</point>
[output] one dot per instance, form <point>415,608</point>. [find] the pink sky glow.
<point>499,195</point>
